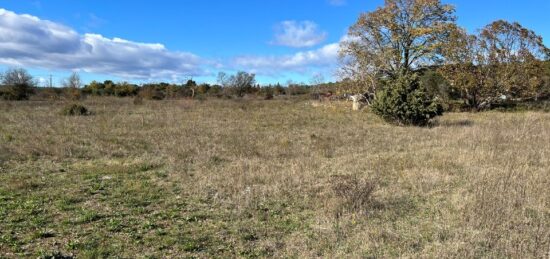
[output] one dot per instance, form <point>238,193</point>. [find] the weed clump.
<point>138,100</point>
<point>75,110</point>
<point>353,194</point>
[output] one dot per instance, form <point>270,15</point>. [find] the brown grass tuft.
<point>353,194</point>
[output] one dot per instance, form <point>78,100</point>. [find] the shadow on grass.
<point>456,123</point>
<point>394,208</point>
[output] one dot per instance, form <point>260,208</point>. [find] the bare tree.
<point>223,79</point>
<point>73,81</point>
<point>237,84</point>
<point>72,85</point>
<point>17,84</point>
<point>317,79</point>
<point>17,76</point>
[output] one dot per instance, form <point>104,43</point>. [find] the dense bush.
<point>16,84</point>
<point>297,89</point>
<point>75,110</point>
<point>152,93</point>
<point>403,101</point>
<point>16,92</point>
<point>215,90</point>
<point>436,85</point>
<point>109,87</point>
<point>203,89</point>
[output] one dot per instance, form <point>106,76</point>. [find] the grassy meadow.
<point>280,178</point>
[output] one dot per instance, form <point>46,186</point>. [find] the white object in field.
<point>357,106</point>
<point>357,101</point>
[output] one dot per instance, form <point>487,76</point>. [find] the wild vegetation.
<point>239,169</point>
<point>238,178</point>
<point>504,64</point>
<point>17,84</point>
<point>405,102</point>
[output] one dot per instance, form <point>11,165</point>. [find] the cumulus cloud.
<point>26,40</point>
<point>298,34</point>
<point>302,61</point>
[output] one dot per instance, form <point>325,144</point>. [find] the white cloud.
<point>311,62</point>
<point>303,61</point>
<point>298,34</point>
<point>29,41</point>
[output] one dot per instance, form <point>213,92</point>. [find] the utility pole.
<point>51,81</point>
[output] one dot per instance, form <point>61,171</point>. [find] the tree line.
<point>409,58</point>
<point>387,51</point>
<point>19,84</point>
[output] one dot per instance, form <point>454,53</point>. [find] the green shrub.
<point>403,101</point>
<point>75,110</point>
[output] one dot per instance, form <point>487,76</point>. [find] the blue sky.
<point>167,40</point>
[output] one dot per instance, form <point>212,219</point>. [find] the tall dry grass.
<point>269,178</point>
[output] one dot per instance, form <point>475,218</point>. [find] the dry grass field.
<point>280,178</point>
